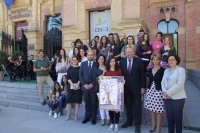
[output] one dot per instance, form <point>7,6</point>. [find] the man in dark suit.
<point>133,71</point>
<point>30,65</point>
<point>87,86</point>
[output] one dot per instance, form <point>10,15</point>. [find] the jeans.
<point>61,100</point>
<point>53,106</point>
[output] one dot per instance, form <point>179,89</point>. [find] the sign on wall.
<point>18,29</point>
<point>100,23</point>
<point>20,13</point>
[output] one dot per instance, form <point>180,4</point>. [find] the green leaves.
<point>100,21</point>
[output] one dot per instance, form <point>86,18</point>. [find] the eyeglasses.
<point>171,60</point>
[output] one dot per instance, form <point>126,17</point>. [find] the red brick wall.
<point>188,18</point>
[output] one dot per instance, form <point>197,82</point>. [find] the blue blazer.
<point>86,77</point>
<point>136,79</point>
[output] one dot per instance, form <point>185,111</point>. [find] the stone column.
<point>2,19</point>
<point>34,15</point>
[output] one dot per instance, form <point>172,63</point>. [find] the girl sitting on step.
<point>55,97</point>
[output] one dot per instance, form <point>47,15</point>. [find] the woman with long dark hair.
<point>130,44</point>
<point>104,47</point>
<point>83,56</point>
<point>158,44</point>
<point>76,52</point>
<point>61,65</point>
<point>74,91</point>
<point>93,44</point>
<point>99,71</point>
<point>54,100</point>
<point>112,69</point>
<point>117,47</point>
<point>144,50</point>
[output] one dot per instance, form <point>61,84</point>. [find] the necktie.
<point>129,66</point>
<point>90,67</point>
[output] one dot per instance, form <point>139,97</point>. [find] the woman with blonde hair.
<point>154,97</point>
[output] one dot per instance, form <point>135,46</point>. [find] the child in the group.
<point>54,96</point>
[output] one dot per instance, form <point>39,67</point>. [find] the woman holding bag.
<point>74,91</point>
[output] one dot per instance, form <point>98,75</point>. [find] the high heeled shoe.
<point>152,131</point>
<point>102,123</point>
<point>68,118</point>
<point>76,118</point>
<point>108,122</point>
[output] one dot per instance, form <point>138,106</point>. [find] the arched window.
<point>168,27</point>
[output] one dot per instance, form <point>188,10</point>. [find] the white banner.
<point>100,23</point>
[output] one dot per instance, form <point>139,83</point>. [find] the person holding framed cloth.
<point>112,69</point>
<point>74,91</point>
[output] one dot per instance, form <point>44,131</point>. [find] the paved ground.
<point>192,105</point>
<point>15,120</point>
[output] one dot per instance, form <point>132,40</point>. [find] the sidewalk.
<point>192,105</point>
<point>15,120</point>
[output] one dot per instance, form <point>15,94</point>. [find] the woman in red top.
<point>112,69</point>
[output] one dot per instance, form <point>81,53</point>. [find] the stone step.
<point>20,97</point>
<point>30,105</point>
<point>21,85</point>
<point>32,92</point>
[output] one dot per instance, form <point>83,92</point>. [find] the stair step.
<point>24,105</point>
<point>20,97</point>
<point>21,85</point>
<point>30,106</point>
<point>33,92</point>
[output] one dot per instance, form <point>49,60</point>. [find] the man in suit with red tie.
<point>133,70</point>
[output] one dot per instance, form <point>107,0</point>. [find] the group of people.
<point>79,71</point>
<point>19,68</point>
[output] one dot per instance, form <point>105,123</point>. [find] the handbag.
<point>76,84</point>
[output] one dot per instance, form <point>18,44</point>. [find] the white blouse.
<point>60,65</point>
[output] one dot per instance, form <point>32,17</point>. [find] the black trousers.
<point>12,73</point>
<point>114,117</point>
<point>91,104</point>
<point>133,102</point>
<point>174,111</point>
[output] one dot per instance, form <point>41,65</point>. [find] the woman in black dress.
<point>74,91</point>
<point>154,96</point>
<point>116,47</point>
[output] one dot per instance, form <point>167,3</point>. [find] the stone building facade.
<point>127,17</point>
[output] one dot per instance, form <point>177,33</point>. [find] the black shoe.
<point>152,131</point>
<point>137,130</point>
<point>125,125</point>
<point>85,120</point>
<point>43,103</point>
<point>93,122</point>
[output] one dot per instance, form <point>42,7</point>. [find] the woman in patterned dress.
<point>154,96</point>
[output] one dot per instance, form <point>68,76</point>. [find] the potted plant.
<point>3,56</point>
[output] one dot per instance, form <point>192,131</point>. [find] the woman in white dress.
<point>61,65</point>
<point>83,56</point>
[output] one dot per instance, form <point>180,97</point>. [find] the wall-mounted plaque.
<point>20,13</point>
<point>31,47</point>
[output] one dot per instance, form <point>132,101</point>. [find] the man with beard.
<point>87,86</point>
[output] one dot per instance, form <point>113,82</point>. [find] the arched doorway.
<point>169,30</point>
